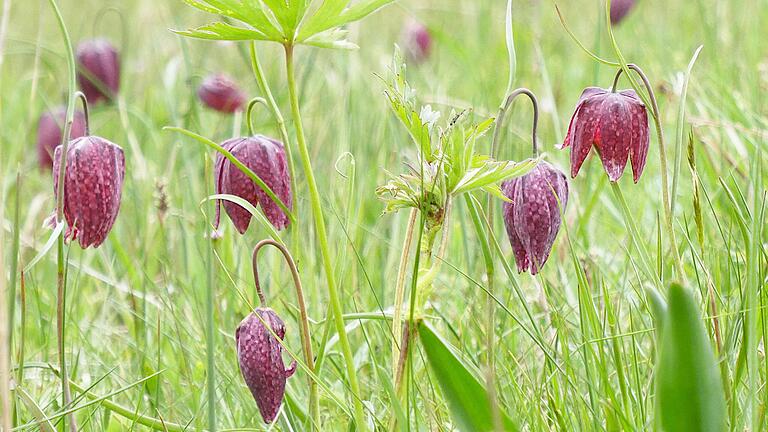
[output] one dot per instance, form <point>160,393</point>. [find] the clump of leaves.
<point>447,164</point>
<point>288,22</point>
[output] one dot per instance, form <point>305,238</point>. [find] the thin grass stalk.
<point>210,324</point>
<point>319,221</point>
<point>61,291</point>
<point>14,270</point>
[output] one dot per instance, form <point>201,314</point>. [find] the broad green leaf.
<point>689,388</point>
<point>493,172</point>
<point>331,14</point>
<point>334,39</point>
<point>466,396</point>
<point>223,31</point>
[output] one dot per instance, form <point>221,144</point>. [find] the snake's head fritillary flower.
<point>532,218</point>
<point>49,131</point>
<point>220,93</point>
<point>620,9</point>
<point>616,125</point>
<point>417,41</point>
<point>260,356</point>
<point>266,158</point>
<point>99,69</point>
<point>93,186</point>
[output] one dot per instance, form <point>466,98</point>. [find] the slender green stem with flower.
<point>317,214</point>
<point>61,282</point>
<point>306,339</point>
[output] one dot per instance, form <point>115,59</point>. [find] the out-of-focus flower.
<point>49,131</point>
<point>220,93</point>
<point>417,41</point>
<point>99,69</point>
<point>620,9</point>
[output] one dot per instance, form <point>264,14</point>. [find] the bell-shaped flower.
<point>616,125</point>
<point>99,69</point>
<point>417,42</point>
<point>620,9</point>
<point>220,93</point>
<point>260,356</point>
<point>532,218</point>
<point>93,186</point>
<point>49,131</point>
<point>266,158</point>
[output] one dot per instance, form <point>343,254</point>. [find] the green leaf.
<point>466,396</point>
<point>223,31</point>
<point>689,388</point>
<point>332,14</point>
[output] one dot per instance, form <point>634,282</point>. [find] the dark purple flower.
<point>616,124</point>
<point>219,92</point>
<point>93,186</point>
<point>260,356</point>
<point>99,69</point>
<point>266,158</point>
<point>532,218</point>
<point>49,131</point>
<point>417,41</point>
<point>620,9</point>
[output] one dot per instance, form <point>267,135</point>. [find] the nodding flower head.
<point>99,69</point>
<point>260,356</point>
<point>532,218</point>
<point>616,125</point>
<point>93,186</point>
<point>49,131</point>
<point>417,41</point>
<point>266,158</point>
<point>620,9</point>
<point>220,93</point>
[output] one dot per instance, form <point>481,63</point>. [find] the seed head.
<point>616,124</point>
<point>266,158</point>
<point>260,356</point>
<point>532,218</point>
<point>220,93</point>
<point>99,69</point>
<point>93,186</point>
<point>49,131</point>
<point>620,9</point>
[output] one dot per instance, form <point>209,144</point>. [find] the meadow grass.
<point>574,347</point>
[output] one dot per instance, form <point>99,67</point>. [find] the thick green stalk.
<point>61,257</point>
<point>317,214</point>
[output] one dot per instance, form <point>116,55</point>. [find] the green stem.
<point>210,328</point>
<point>306,339</point>
<point>61,291</point>
<point>317,213</point>
<point>397,319</point>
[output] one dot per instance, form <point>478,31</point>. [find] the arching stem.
<point>662,159</point>
<point>306,340</point>
<point>249,111</point>
<point>84,101</point>
<point>503,111</point>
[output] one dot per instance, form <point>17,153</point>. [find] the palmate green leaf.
<point>492,172</point>
<point>334,39</point>
<point>466,396</point>
<point>689,388</point>
<point>332,13</point>
<point>223,31</point>
<point>249,12</point>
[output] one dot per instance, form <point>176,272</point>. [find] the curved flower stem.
<point>249,111</point>
<point>84,101</point>
<point>489,266</point>
<point>397,318</point>
<point>306,340</point>
<point>317,213</point>
<point>61,282</point>
<point>503,111</point>
<point>668,222</point>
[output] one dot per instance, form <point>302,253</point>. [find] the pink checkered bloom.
<point>620,9</point>
<point>616,125</point>
<point>49,131</point>
<point>532,218</point>
<point>98,69</point>
<point>93,187</point>
<point>260,356</point>
<point>266,158</point>
<point>220,93</point>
